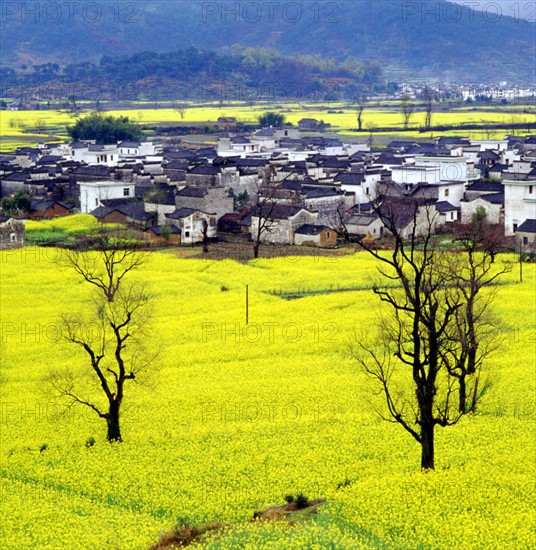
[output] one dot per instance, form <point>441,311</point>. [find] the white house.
<point>192,223</point>
<point>136,148</point>
<point>283,220</point>
<point>519,203</point>
<point>92,193</point>
<point>107,155</point>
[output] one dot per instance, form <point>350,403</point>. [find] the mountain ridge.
<point>413,39</point>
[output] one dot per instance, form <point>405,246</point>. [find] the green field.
<point>18,128</point>
<point>235,417</point>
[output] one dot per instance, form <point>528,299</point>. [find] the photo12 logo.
<point>270,12</point>
<point>69,12</point>
<point>471,11</point>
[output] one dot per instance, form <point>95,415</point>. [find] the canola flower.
<point>234,417</point>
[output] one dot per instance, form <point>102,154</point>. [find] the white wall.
<point>94,192</point>
<point>519,203</point>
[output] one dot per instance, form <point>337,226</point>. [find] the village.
<point>276,185</point>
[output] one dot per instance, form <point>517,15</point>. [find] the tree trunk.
<point>463,397</point>
<point>256,250</point>
<point>114,430</point>
<point>427,447</point>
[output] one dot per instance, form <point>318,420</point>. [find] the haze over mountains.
<point>429,38</point>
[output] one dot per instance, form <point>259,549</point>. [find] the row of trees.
<point>427,359</point>
<point>241,72</point>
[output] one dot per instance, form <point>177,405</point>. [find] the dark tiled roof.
<point>528,226</point>
<point>132,209</point>
<point>350,178</point>
<point>308,229</point>
<point>277,211</point>
<point>157,229</point>
<point>445,206</point>
<point>204,170</point>
<point>318,192</point>
<point>42,206</point>
<point>181,213</point>
<point>486,186</point>
<point>494,198</point>
<point>190,191</point>
<point>129,144</point>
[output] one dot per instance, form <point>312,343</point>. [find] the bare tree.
<point>432,341</point>
<point>476,332</point>
<point>111,332</point>
<point>360,108</point>
<point>181,109</point>
<point>370,139</point>
<point>429,98</point>
<point>264,209</point>
<point>115,255</point>
<point>407,109</point>
<point>205,236</point>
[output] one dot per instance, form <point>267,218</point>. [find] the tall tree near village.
<point>111,333</point>
<point>436,329</point>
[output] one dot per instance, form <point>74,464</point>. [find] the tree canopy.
<point>271,118</point>
<point>105,129</point>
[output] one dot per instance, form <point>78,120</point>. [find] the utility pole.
<point>247,304</point>
<point>521,260</point>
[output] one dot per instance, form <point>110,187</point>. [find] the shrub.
<point>90,441</point>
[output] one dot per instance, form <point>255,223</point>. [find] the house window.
<point>111,157</point>
<point>446,192</point>
<point>525,240</point>
<point>186,233</point>
<point>126,192</point>
<point>367,190</point>
<point>96,202</point>
<point>531,187</point>
<point>515,226</point>
<point>12,237</point>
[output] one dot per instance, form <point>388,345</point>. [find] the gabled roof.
<point>183,213</point>
<point>100,171</point>
<point>308,229</point>
<point>16,176</point>
<point>132,209</point>
<point>239,140</point>
<point>486,187</point>
<point>204,170</point>
<point>318,191</point>
<point>488,155</point>
<point>190,191</point>
<point>528,226</point>
<point>157,229</point>
<point>351,178</point>
<point>362,219</point>
<point>498,167</point>
<point>50,159</point>
<point>42,206</point>
<point>277,211</point>
<point>386,158</point>
<point>445,206</point>
<point>130,144</point>
<point>494,198</point>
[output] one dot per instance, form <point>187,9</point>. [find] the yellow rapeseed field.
<point>234,417</point>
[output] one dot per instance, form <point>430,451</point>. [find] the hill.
<point>418,39</point>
